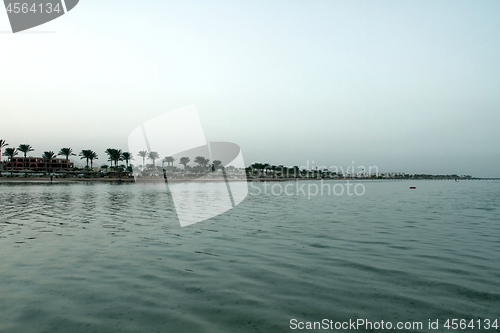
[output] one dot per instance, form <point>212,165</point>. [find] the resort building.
<point>38,164</point>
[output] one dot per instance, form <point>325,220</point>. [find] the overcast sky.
<point>408,86</point>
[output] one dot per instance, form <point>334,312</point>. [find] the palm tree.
<point>216,164</point>
<point>85,154</point>
<point>2,144</point>
<point>202,162</point>
<point>143,154</point>
<point>25,149</point>
<point>66,152</point>
<point>92,156</point>
<point>126,156</point>
<point>49,156</point>
<point>10,153</point>
<point>153,156</point>
<point>184,161</point>
<point>115,155</point>
<point>169,160</point>
<point>110,152</point>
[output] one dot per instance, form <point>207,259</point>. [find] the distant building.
<point>38,164</point>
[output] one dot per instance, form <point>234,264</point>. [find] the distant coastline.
<point>22,179</point>
<point>50,168</point>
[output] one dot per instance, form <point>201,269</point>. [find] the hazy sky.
<point>409,86</point>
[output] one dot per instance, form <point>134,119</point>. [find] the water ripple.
<point>112,258</point>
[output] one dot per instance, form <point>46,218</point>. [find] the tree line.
<point>115,156</point>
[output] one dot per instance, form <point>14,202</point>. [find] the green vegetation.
<point>86,154</point>
<point>185,161</point>
<point>2,144</point>
<point>143,154</point>
<point>49,156</point>
<point>216,165</point>
<point>126,156</point>
<point>279,172</point>
<point>66,152</point>
<point>255,171</point>
<point>202,162</point>
<point>10,153</point>
<point>153,156</point>
<point>169,160</point>
<point>25,149</point>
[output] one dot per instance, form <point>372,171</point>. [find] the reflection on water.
<point>112,258</point>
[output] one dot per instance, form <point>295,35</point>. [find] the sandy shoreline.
<point>59,180</point>
<point>103,180</point>
<point>174,180</point>
<point>131,180</point>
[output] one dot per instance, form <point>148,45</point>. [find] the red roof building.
<point>38,164</point>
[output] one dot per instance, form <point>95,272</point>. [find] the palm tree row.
<point>48,155</point>
<point>89,155</point>
<point>114,156</point>
<point>200,160</point>
<point>266,170</point>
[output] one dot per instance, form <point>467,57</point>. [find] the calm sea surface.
<point>85,257</point>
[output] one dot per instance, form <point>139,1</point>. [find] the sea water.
<point>96,257</point>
